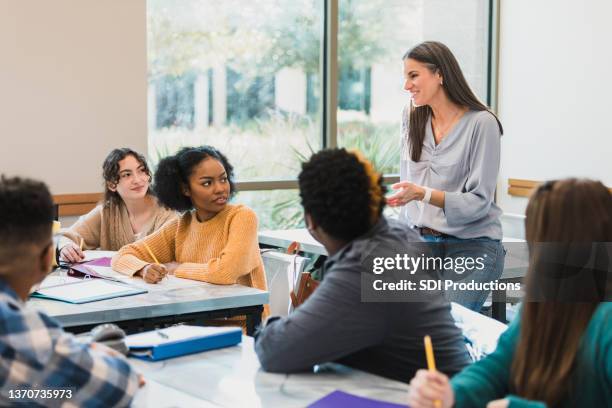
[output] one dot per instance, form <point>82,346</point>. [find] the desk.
<point>232,377</point>
<point>515,264</point>
<point>282,239</point>
<point>160,307</point>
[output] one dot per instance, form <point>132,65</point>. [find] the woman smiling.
<point>128,212</point>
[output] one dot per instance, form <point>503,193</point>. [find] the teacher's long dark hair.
<point>439,59</point>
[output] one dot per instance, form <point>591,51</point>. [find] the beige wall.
<point>554,87</point>
<point>72,87</point>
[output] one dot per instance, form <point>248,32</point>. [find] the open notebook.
<point>86,290</point>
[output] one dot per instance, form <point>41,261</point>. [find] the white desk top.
<point>515,265</point>
<point>232,377</point>
<point>171,297</point>
<point>282,239</point>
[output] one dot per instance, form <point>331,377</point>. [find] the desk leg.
<point>498,309</point>
<point>253,320</point>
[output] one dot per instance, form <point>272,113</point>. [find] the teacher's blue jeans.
<point>491,253</point>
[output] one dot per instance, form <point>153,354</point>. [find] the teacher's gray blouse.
<point>465,166</point>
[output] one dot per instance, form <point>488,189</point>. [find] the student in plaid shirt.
<point>37,358</point>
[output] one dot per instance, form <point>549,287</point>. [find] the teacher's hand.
<point>407,193</point>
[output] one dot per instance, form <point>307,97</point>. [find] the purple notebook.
<point>106,261</point>
<point>340,399</point>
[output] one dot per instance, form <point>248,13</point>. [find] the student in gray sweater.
<point>343,200</point>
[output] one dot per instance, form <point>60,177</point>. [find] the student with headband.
<point>343,200</point>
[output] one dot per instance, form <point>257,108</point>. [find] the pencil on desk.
<point>81,246</point>
<point>431,362</point>
<point>151,253</point>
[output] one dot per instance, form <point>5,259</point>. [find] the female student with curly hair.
<point>558,352</point>
<point>212,241</point>
<point>343,200</point>
<point>129,210</point>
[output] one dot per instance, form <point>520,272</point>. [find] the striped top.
<point>223,250</point>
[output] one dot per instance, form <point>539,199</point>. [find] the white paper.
<point>55,280</point>
<point>170,282</point>
<point>85,289</point>
<point>174,333</point>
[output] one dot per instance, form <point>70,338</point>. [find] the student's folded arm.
<point>87,227</point>
<point>239,256</point>
<point>327,327</point>
<point>133,257</point>
<point>488,379</point>
<point>474,203</point>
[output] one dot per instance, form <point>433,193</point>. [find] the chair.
<point>282,271</point>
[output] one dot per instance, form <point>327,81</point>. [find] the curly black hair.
<point>335,189</point>
<point>110,172</point>
<point>173,173</point>
<point>26,212</point>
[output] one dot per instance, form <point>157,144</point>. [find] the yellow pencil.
<point>81,246</point>
<point>431,362</point>
<point>151,253</point>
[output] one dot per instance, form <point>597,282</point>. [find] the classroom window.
<point>276,209</point>
<point>247,76</point>
<point>238,75</point>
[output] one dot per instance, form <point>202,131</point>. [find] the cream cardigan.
<point>109,228</point>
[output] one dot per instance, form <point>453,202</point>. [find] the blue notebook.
<point>180,340</point>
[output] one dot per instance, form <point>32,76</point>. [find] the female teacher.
<point>450,152</point>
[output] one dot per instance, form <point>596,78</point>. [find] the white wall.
<point>73,78</point>
<point>555,92</point>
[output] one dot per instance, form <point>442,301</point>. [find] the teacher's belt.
<point>430,231</point>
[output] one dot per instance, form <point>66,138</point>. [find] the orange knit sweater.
<point>223,250</point>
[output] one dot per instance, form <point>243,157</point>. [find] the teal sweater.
<point>489,378</point>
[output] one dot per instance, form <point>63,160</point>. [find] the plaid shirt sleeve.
<point>37,354</point>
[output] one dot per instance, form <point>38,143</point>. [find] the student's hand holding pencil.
<point>153,273</point>
<point>430,388</point>
<point>72,253</point>
<point>427,387</point>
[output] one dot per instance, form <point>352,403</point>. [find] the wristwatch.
<point>427,196</point>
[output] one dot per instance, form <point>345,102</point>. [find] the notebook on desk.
<point>341,399</point>
<point>181,340</point>
<point>86,290</point>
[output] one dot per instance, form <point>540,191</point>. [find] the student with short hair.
<point>35,353</point>
<point>128,212</point>
<point>343,200</point>
<point>558,351</point>
<point>213,241</point>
